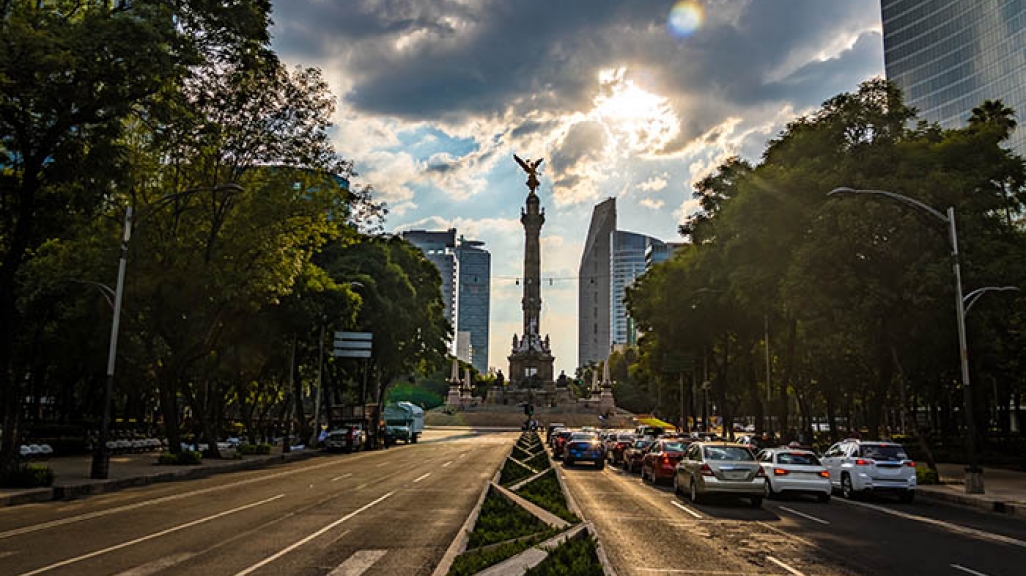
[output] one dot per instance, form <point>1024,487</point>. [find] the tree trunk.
<point>789,363</point>
<point>921,431</point>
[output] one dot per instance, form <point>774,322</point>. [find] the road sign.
<point>353,344</point>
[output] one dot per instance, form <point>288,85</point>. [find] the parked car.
<point>633,454</point>
<point>616,446</point>
<point>720,468</point>
<point>794,472</point>
<point>582,447</point>
<point>660,461</point>
<point>349,438</point>
<point>859,467</point>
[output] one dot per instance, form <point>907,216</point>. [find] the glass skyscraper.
<point>626,263</point>
<point>475,264</point>
<point>950,55</point>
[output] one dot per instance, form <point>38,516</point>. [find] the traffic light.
<point>528,409</point>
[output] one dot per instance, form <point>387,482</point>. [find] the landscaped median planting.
<point>524,524</point>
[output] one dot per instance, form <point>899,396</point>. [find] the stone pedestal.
<point>453,398</point>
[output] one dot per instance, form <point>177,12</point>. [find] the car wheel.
<point>823,497</point>
<point>695,498</point>
<point>676,485</point>
<point>756,501</point>
<point>569,462</point>
<point>847,490</point>
<point>601,464</point>
<point>768,489</point>
<point>908,496</point>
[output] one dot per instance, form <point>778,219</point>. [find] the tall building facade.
<point>466,269</point>
<point>626,263</point>
<point>950,55</point>
<point>475,273</point>
<point>593,292</point>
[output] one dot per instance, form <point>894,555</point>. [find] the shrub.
<point>28,476</point>
<point>575,557</point>
<point>253,449</point>
<point>186,458</point>
<point>513,473</point>
<point>546,492</point>
<point>474,561</point>
<point>926,476</point>
<point>502,520</point>
<point>539,461</point>
<point>520,454</point>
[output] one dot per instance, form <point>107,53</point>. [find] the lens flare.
<point>685,18</point>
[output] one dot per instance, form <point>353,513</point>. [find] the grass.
<point>546,492</point>
<point>28,476</point>
<point>501,520</point>
<point>925,476</point>
<point>513,473</point>
<point>576,557</point>
<point>539,461</point>
<point>520,454</point>
<point>474,561</point>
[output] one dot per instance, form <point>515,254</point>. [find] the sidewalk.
<point>1005,490</point>
<point>71,474</point>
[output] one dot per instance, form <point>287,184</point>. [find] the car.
<point>583,447</point>
<point>649,432</point>
<point>859,467</point>
<point>616,446</point>
<point>345,439</point>
<point>794,471</point>
<point>660,461</point>
<point>551,427</point>
<point>633,454</point>
<point>719,468</point>
<point>559,441</point>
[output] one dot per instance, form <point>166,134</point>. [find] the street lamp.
<point>973,473</point>
<point>100,468</point>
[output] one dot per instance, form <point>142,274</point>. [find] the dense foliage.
<point>854,291</point>
<point>249,244</point>
<point>546,492</point>
<point>575,557</point>
<point>501,520</point>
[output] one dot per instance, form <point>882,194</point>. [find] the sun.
<point>638,119</point>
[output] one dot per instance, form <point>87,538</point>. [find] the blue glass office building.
<point>951,55</point>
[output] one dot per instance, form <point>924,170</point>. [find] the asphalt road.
<point>647,531</point>
<point>387,512</point>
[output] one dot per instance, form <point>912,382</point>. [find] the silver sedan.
<point>720,468</point>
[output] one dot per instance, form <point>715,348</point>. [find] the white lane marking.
<point>292,547</point>
<point>967,570</point>
<point>942,524</point>
<point>807,516</point>
<point>419,478</point>
<point>686,509</point>
<point>361,486</point>
<point>464,455</point>
<point>382,464</point>
<point>358,563</point>
<point>784,566</point>
<point>161,500</point>
<point>157,565</point>
<point>149,537</point>
<point>337,478</point>
<point>446,465</point>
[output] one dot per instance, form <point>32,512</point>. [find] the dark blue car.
<point>586,450</point>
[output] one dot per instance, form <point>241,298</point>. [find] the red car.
<point>633,454</point>
<point>559,442</point>
<point>660,461</point>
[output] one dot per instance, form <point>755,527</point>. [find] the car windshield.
<point>625,437</point>
<point>797,458</point>
<point>886,452</point>
<point>640,444</point>
<point>583,436</point>
<point>674,447</point>
<point>735,453</point>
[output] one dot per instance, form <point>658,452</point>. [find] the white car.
<point>794,471</point>
<point>862,467</point>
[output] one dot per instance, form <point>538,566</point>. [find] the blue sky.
<point>633,99</point>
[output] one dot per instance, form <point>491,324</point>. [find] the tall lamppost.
<point>100,468</point>
<point>973,473</point>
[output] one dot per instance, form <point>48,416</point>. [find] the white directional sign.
<point>353,344</point>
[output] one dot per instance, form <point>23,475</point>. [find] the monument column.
<point>532,218</point>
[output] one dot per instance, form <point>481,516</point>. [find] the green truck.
<point>405,421</point>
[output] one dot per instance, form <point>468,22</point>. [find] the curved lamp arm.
<point>973,296</point>
<point>895,196</point>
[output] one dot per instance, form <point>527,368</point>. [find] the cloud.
<point>654,184</point>
<point>652,203</point>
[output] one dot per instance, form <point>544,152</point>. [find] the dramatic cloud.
<point>436,95</point>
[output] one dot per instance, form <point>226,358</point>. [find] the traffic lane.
<point>14,517</point>
<point>301,491</point>
<point>870,536</point>
<point>644,534</point>
<point>408,532</point>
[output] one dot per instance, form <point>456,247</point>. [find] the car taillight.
<point>863,462</point>
<point>911,464</point>
<point>705,470</point>
<point>621,445</point>
<point>824,474</point>
<point>779,472</point>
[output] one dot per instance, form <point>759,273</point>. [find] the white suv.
<point>861,466</point>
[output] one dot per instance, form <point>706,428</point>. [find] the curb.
<point>90,488</point>
<point>571,503</point>
<point>980,502</point>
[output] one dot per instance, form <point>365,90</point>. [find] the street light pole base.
<point>973,480</point>
<point>100,469</point>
